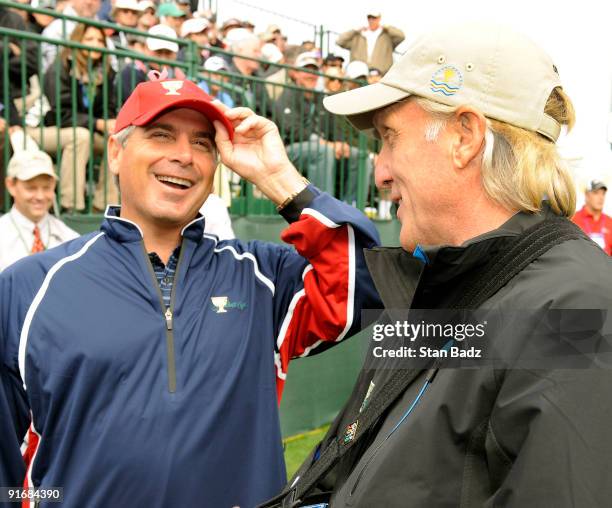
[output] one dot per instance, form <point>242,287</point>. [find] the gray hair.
<point>519,170</point>
<point>123,135</point>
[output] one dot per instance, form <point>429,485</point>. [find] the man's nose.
<point>382,175</point>
<point>182,151</point>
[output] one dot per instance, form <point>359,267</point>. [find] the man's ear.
<point>468,128</point>
<point>10,184</point>
<point>113,155</point>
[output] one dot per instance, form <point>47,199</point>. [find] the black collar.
<point>400,277</point>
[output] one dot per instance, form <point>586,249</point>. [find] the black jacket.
<point>248,91</point>
<point>58,87</point>
<point>17,74</point>
<point>485,437</point>
<point>300,113</point>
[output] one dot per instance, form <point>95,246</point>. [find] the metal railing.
<point>67,112</point>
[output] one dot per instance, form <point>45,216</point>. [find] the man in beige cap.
<point>28,227</point>
<point>373,44</point>
<point>468,119</point>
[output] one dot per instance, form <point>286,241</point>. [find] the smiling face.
<point>418,173</point>
<point>165,169</point>
<point>94,38</point>
<point>33,197</point>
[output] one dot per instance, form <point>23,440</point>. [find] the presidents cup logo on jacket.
<point>222,304</point>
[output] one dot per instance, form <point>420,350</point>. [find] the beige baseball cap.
<point>490,67</point>
<point>25,165</point>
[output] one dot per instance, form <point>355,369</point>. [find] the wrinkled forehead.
<point>382,115</point>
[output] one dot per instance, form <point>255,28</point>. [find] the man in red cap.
<point>146,361</point>
<point>591,218</point>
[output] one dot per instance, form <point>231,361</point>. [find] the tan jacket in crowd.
<point>382,56</point>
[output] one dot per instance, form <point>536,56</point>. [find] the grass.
<point>298,447</point>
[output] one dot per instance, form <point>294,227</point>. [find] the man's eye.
<point>160,135</point>
<point>205,144</point>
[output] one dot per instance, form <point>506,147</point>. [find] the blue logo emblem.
<point>446,80</point>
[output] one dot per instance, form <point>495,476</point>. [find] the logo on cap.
<point>172,86</point>
<point>447,80</point>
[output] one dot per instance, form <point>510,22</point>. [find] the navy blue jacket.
<point>127,403</point>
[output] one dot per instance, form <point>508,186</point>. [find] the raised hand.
<point>257,153</point>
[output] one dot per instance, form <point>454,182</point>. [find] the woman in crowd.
<point>85,75</point>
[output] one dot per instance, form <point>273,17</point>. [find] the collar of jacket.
<point>398,274</point>
<point>124,230</point>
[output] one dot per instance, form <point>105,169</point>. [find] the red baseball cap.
<point>151,98</point>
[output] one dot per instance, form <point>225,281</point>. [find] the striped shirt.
<point>165,273</point>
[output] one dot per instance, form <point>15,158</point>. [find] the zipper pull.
<point>168,318</point>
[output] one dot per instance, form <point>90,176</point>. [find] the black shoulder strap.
<point>527,247</point>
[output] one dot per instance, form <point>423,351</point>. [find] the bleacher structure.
<point>315,392</point>
<point>249,91</point>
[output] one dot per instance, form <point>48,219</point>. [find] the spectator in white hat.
<point>157,47</point>
<point>147,17</point>
<point>28,227</point>
<point>196,30</point>
<point>125,13</point>
<point>373,44</point>
<point>212,82</point>
<point>356,71</point>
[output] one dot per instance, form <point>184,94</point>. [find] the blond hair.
<point>520,168</point>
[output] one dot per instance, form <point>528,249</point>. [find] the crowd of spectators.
<point>64,98</point>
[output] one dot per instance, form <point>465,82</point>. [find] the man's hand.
<point>2,125</point>
<point>105,125</point>
<point>15,49</point>
<point>342,150</point>
<point>257,153</point>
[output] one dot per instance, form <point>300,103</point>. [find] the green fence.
<point>64,105</point>
<point>67,105</point>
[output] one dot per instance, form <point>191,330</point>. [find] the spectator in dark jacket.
<point>18,50</point>
<point>79,88</point>
<point>313,141</point>
<point>247,92</point>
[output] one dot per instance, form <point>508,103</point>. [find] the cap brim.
<point>360,105</point>
<point>26,175</point>
<point>209,110</point>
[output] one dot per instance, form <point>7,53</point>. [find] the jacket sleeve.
<point>14,411</point>
<point>345,40</point>
<point>58,89</point>
<point>549,439</point>
<point>322,289</point>
<point>396,35</point>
